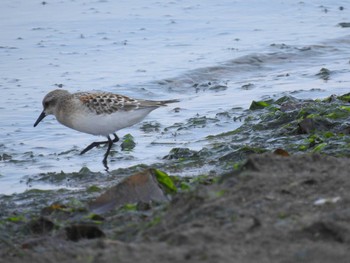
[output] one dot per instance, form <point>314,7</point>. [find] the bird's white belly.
<point>105,124</point>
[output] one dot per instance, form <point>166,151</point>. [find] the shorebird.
<point>97,113</point>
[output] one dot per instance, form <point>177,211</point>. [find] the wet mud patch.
<point>275,189</point>
<point>265,211</point>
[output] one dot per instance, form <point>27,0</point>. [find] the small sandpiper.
<point>97,113</point>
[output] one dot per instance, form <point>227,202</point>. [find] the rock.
<point>140,187</point>
<point>41,225</point>
<point>306,126</point>
<point>79,231</point>
<point>344,24</point>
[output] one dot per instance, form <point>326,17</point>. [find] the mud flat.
<point>276,190</point>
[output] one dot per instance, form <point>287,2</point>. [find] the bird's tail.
<point>165,102</point>
<point>155,103</point>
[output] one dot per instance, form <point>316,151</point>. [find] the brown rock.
<point>140,187</point>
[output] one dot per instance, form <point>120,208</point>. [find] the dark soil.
<point>275,209</point>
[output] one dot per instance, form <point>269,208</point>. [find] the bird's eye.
<point>46,104</point>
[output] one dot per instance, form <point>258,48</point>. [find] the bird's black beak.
<point>42,116</point>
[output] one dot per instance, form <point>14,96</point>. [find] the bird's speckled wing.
<point>107,103</point>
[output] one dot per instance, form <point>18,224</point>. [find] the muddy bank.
<point>248,205</point>
<point>281,209</point>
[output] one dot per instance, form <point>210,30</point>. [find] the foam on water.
<point>215,56</point>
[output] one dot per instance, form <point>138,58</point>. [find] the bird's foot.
<point>105,164</point>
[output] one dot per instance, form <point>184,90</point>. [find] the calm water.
<point>215,56</point>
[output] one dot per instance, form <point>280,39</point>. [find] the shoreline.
<point>251,206</point>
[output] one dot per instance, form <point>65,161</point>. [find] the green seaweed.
<point>95,217</point>
<point>319,147</point>
<point>16,219</point>
<point>128,143</point>
<point>345,97</point>
<point>257,105</point>
<point>93,189</point>
<point>184,186</point>
<point>129,207</point>
<point>338,114</point>
<point>155,221</point>
<point>165,181</point>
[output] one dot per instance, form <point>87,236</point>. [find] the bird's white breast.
<point>105,124</point>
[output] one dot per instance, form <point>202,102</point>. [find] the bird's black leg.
<point>116,138</point>
<point>95,144</point>
<point>92,145</point>
<point>110,143</point>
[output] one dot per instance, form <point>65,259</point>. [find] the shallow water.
<point>216,56</point>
